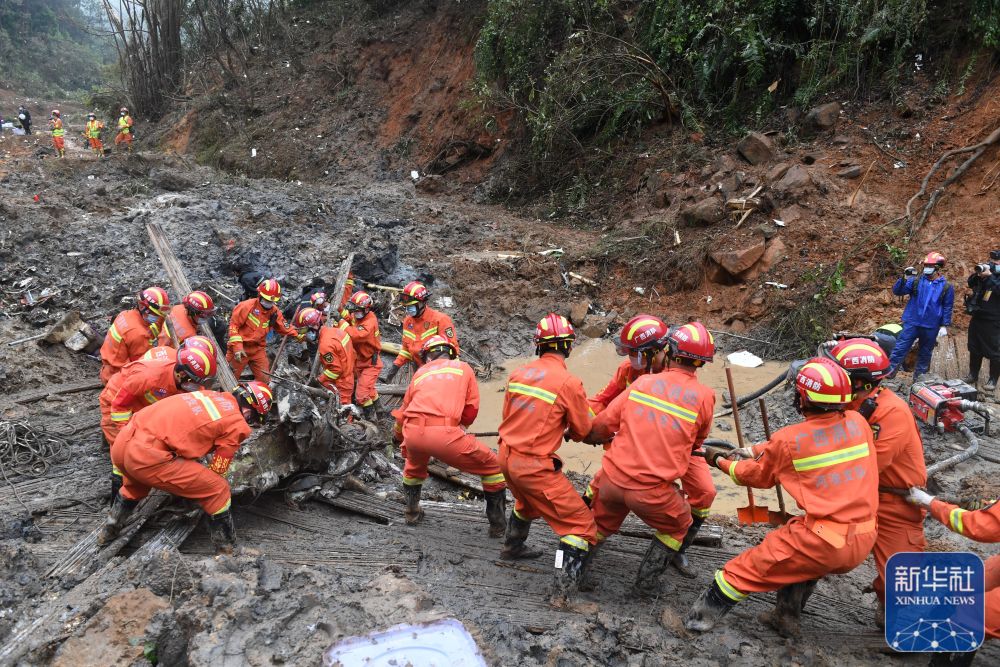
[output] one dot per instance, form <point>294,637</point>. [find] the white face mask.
<point>310,336</point>
<point>411,311</point>
<point>266,305</point>
<point>928,270</point>
<point>151,318</point>
<point>636,362</point>
<point>188,385</point>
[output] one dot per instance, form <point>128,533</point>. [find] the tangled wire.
<point>29,451</point>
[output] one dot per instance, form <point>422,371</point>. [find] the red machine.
<point>941,403</point>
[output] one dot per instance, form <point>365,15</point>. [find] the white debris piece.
<point>253,152</point>
<point>414,174</point>
<point>640,291</point>
<point>745,359</point>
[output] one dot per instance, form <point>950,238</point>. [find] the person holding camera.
<point>984,328</point>
<point>927,315</point>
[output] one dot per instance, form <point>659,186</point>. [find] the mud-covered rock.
<point>170,180</point>
<point>739,260</point>
<point>116,635</point>
<point>821,118</point>
<point>796,179</point>
<point>706,212</point>
<point>756,148</point>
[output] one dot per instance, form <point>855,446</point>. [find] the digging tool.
<point>781,516</point>
<point>284,339</point>
<point>751,513</point>
<point>485,434</point>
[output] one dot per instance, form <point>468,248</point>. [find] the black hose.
<point>746,398</point>
<point>952,461</point>
<point>718,442</point>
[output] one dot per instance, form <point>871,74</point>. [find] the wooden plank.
<point>338,291</point>
<point>51,390</point>
<point>381,510</point>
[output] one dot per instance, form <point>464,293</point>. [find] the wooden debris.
<point>338,290</point>
<point>582,279</point>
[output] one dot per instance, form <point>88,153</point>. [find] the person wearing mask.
<point>927,315</point>
<point>984,327</point>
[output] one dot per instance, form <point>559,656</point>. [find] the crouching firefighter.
<point>161,446</point>
<point>442,398</point>
<point>828,464</point>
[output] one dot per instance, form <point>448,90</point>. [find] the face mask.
<point>310,336</point>
<point>928,270</point>
<point>636,362</point>
<point>266,305</point>
<point>411,311</point>
<point>151,318</point>
<point>190,386</point>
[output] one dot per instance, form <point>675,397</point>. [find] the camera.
<point>909,271</point>
<point>982,268</point>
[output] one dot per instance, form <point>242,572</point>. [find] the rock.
<point>737,326</point>
<point>841,140</point>
<point>756,148</point>
<point>578,313</point>
<point>115,635</point>
<point>775,173</point>
<point>767,230</point>
<point>850,172</point>
<point>795,179</point>
<point>430,184</point>
<point>739,260</point>
<point>169,180</point>
<point>822,118</point>
<point>791,214</point>
<point>774,252</point>
<point>658,185</point>
<point>704,213</point>
<point>270,576</point>
<point>596,326</point>
<point>723,163</point>
<point>729,185</point>
<point>718,275</point>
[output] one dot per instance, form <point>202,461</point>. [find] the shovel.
<point>781,516</point>
<point>751,513</point>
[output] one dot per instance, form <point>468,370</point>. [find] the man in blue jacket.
<point>927,315</point>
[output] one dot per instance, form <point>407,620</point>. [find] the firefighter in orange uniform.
<point>161,446</point>
<point>202,343</point>
<point>442,399</point>
<point>146,381</point>
<point>659,421</point>
<point>248,327</point>
<point>184,319</point>
<point>421,322</point>
<point>828,464</point>
<point>335,350</point>
<point>898,449</point>
<point>367,339</point>
<point>981,525</point>
<point>93,134</point>
<point>58,133</point>
<point>133,332</point>
<point>543,400</point>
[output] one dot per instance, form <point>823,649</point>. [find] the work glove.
<point>942,332</point>
<point>220,464</point>
<point>741,453</point>
<point>918,496</point>
<point>240,355</point>
<point>713,454</point>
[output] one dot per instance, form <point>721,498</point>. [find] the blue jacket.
<point>931,305</point>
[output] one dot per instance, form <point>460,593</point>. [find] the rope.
<point>29,451</point>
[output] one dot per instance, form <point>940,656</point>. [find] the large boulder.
<point>822,118</point>
<point>756,148</point>
<point>704,213</point>
<point>774,252</point>
<point>794,180</point>
<point>739,260</point>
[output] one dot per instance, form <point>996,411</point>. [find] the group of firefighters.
<point>854,464</point>
<point>92,132</point>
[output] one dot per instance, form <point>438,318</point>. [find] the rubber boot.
<point>116,486</point>
<point>785,617</point>
<point>658,556</point>
<point>496,511</point>
<point>413,513</point>
<point>369,413</point>
<point>513,543</point>
<point>708,609</point>
<point>223,532</point>
<point>574,562</point>
<point>121,510</point>
<point>587,581</point>
<point>807,590</point>
<point>680,561</point>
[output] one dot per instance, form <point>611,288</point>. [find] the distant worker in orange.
<point>828,464</point>
<point>202,343</point>
<point>442,399</point>
<point>898,450</point>
<point>124,129</point>
<point>161,447</point>
<point>58,133</point>
<point>542,402</point>
<point>146,381</point>
<point>335,350</point>
<point>183,320</point>
<point>981,525</point>
<point>367,339</point>
<point>656,424</point>
<point>248,327</point>
<point>421,322</point>
<point>133,332</point>
<point>93,134</point>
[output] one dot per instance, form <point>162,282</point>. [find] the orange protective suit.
<point>248,327</point>
<point>982,526</point>
<point>828,464</point>
<point>624,376</point>
<point>178,322</point>
<point>442,398</point>
<point>367,340</point>
<point>336,358</point>
<point>124,131</point>
<point>416,330</point>
<point>348,290</point>
<point>659,421</point>
<point>93,134</point>
<point>543,400</point>
<point>159,448</point>
<point>129,337</point>
<point>162,352</point>
<point>140,384</point>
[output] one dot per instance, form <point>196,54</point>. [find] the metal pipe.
<point>952,461</point>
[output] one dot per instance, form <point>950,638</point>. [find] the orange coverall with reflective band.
<point>827,463</point>
<point>179,322</point>
<point>140,384</point>
<point>624,376</point>
<point>128,339</point>
<point>248,327</point>
<point>159,448</point>
<point>336,359</point>
<point>982,526</point>
<point>659,421</point>
<point>367,341</point>
<point>544,399</point>
<point>161,352</point>
<point>416,331</point>
<point>442,397</point>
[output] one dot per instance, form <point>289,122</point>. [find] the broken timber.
<point>338,290</point>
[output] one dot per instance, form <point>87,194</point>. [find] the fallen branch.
<point>854,197</point>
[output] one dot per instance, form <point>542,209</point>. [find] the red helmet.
<point>691,341</point>
<point>197,364</point>
<point>55,112</point>
<point>863,359</point>
<point>415,291</point>
<point>255,395</point>
<point>269,290</point>
<point>435,343</point>
<point>202,343</point>
<point>641,333</point>
<point>309,317</point>
<point>360,301</point>
<point>823,384</point>
<point>318,299</point>
<point>554,330</point>
<point>199,304</point>
<point>154,299</point>
<point>934,259</point>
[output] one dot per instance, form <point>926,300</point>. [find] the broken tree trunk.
<point>338,290</point>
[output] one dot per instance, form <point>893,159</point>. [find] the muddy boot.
<point>574,561</point>
<point>116,486</point>
<point>587,581</point>
<point>513,543</point>
<point>807,590</point>
<point>413,513</point>
<point>708,609</point>
<point>496,512</point>
<point>784,618</point>
<point>121,509</point>
<point>658,556</point>
<point>680,561</point>
<point>369,413</point>
<point>222,532</point>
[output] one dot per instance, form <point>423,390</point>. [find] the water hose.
<point>746,398</point>
<point>965,455</point>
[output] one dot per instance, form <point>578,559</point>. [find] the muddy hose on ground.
<point>746,398</point>
<point>969,452</point>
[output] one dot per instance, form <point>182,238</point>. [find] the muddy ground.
<point>307,577</point>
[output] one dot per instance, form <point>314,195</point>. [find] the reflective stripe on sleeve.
<point>210,407</point>
<point>534,392</point>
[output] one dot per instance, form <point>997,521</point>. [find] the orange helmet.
<point>641,333</point>
<point>360,301</point>
<point>196,364</point>
<point>254,395</point>
<point>434,344</point>
<point>934,259</point>
<point>554,332</point>
<point>691,341</point>
<point>822,384</point>
<point>862,358</point>
<point>199,305</point>
<point>154,300</point>
<point>309,318</point>
<point>202,343</point>
<point>269,290</point>
<point>55,112</point>
<point>318,299</point>
<point>415,291</point>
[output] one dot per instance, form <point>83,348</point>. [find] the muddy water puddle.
<point>594,362</point>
